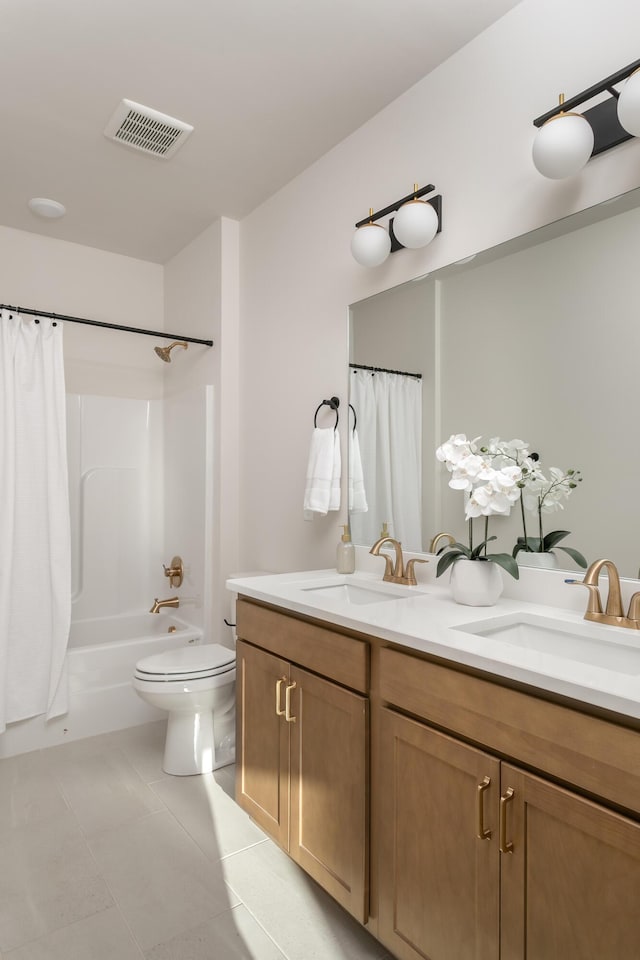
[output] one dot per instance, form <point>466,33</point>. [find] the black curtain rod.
<point>400,373</point>
<point>108,326</point>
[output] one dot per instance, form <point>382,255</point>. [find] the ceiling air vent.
<point>142,128</point>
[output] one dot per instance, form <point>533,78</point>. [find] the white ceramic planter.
<point>476,583</point>
<point>545,561</point>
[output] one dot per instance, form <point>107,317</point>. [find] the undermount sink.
<point>358,593</point>
<point>597,645</point>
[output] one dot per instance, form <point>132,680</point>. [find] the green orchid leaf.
<point>530,545</point>
<point>506,561</point>
<point>447,559</point>
<point>478,552</point>
<point>552,538</point>
<point>576,556</point>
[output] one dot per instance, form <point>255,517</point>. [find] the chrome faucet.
<point>614,614</point>
<point>159,604</point>
<point>396,573</point>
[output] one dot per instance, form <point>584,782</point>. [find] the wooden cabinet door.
<point>438,880</point>
<point>329,822</point>
<point>262,771</point>
<point>571,885</point>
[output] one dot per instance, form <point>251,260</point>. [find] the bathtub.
<point>101,657</point>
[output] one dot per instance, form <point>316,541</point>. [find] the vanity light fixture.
<point>566,139</point>
<point>416,224</point>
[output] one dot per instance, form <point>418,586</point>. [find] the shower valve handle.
<point>175,572</point>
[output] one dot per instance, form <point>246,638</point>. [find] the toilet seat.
<point>186,664</point>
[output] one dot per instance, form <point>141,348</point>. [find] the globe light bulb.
<point>563,145</point>
<point>415,224</point>
<point>629,105</point>
<point>370,244</point>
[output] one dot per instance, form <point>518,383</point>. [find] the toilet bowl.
<point>196,685</point>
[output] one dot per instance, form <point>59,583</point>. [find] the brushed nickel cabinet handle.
<point>481,832</point>
<point>287,703</point>
<point>279,711</point>
<point>506,846</point>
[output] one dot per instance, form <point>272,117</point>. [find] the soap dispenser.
<point>346,553</point>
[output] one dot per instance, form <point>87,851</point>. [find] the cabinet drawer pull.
<point>506,846</point>
<point>481,833</point>
<point>279,711</point>
<point>287,703</point>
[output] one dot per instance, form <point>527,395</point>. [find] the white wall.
<point>48,274</point>
<point>201,300</point>
<point>467,128</point>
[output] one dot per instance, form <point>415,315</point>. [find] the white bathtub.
<point>101,657</point>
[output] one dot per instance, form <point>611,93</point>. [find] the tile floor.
<point>105,857</point>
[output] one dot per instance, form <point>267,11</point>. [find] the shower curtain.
<point>389,416</point>
<point>35,549</point>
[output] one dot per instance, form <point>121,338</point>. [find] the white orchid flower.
<point>456,447</point>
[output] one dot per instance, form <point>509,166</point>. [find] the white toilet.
<point>196,684</point>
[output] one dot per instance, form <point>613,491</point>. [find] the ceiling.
<point>269,86</point>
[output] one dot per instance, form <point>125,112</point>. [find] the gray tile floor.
<point>105,857</point>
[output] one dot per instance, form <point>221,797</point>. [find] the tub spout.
<point>159,604</point>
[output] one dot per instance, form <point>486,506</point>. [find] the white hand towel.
<point>334,498</point>
<point>322,490</point>
<point>357,492</point>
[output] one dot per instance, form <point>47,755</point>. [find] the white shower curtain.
<point>35,549</point>
<point>389,418</point>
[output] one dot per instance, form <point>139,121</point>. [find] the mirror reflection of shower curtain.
<point>35,549</point>
<point>389,415</point>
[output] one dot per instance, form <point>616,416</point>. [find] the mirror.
<point>535,339</point>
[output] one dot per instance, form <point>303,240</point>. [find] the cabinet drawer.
<point>593,754</point>
<point>333,655</point>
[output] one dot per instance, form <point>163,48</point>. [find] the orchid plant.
<point>490,477</point>
<point>542,495</point>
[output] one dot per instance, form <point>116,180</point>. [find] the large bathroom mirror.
<point>537,339</point>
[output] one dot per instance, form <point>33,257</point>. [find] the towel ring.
<point>355,418</point>
<point>334,403</point>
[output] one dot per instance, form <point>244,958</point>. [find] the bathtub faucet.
<point>159,604</point>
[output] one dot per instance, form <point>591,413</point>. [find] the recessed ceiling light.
<point>49,209</point>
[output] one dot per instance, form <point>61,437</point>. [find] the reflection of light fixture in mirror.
<point>372,243</point>
<point>165,352</point>
<point>563,144</point>
<point>561,147</point>
<point>629,104</point>
<point>416,222</point>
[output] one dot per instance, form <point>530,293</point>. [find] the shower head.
<point>165,352</point>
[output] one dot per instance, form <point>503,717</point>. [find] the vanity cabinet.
<point>303,746</point>
<point>460,817</point>
<point>480,859</point>
<point>438,884</point>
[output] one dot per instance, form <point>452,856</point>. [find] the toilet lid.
<point>206,660</point>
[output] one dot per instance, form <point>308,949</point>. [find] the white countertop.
<point>425,618</point>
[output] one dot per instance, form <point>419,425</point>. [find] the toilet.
<point>196,685</point>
